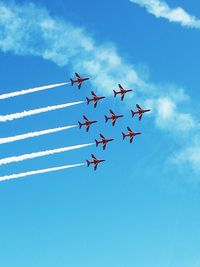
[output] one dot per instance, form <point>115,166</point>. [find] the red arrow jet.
<point>140,112</point>
<point>113,117</point>
<point>94,161</point>
<point>103,141</point>
<point>79,80</point>
<point>86,122</point>
<point>122,91</point>
<point>95,98</point>
<point>130,133</point>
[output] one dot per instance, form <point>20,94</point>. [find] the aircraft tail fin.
<point>96,142</point>
<point>115,93</point>
<point>88,100</point>
<point>123,135</point>
<point>133,113</point>
<point>106,118</point>
<point>88,163</point>
<point>72,81</point>
<point>80,124</point>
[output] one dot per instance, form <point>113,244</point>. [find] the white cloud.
<point>29,30</point>
<point>161,9</point>
<point>169,117</point>
<point>189,156</point>
<point>35,32</point>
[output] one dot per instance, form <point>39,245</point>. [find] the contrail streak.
<point>19,115</point>
<point>31,90</point>
<point>24,174</point>
<point>33,134</point>
<point>41,153</point>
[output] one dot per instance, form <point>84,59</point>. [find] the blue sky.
<point>142,205</point>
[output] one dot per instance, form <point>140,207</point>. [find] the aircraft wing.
<point>111,112</point>
<point>131,139</point>
<point>93,156</point>
<point>85,118</point>
<point>93,93</point>
<point>129,129</point>
<point>79,85</point>
<point>77,75</point>
<point>101,135</point>
<point>122,96</point>
<point>140,116</point>
<point>95,166</point>
<point>138,107</point>
<point>87,128</point>
<point>113,122</point>
<point>95,103</point>
<point>104,146</point>
<point>121,88</point>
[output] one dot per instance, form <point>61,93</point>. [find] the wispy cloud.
<point>35,32</point>
<point>189,156</point>
<point>169,117</point>
<point>161,9</point>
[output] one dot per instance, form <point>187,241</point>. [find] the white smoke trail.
<point>24,174</point>
<point>33,134</point>
<point>19,115</point>
<point>31,90</point>
<point>41,153</point>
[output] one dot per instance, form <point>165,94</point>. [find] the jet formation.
<point>113,117</point>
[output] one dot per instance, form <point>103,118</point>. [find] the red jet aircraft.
<point>94,161</point>
<point>95,98</point>
<point>79,80</point>
<point>122,91</point>
<point>131,134</point>
<point>113,117</point>
<point>86,122</point>
<point>140,112</point>
<point>103,141</point>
